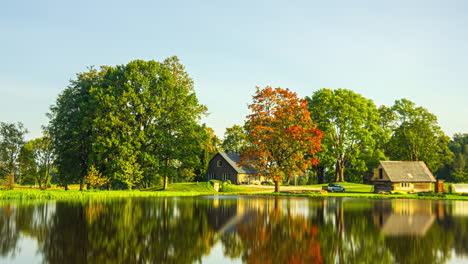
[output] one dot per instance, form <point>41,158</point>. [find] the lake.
<point>234,229</point>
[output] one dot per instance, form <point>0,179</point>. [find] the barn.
<point>406,176</point>
<point>223,166</point>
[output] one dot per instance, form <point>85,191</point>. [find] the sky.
<point>383,50</point>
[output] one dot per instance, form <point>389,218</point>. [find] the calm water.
<point>235,230</point>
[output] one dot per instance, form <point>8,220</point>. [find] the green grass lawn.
<point>174,189</point>
<point>204,188</point>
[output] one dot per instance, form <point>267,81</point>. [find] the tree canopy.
<point>234,139</point>
<point>283,140</point>
<point>417,136</point>
<point>11,141</point>
<point>136,123</point>
<point>350,124</point>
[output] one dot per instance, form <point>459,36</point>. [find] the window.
<point>220,163</point>
<point>380,173</point>
<point>225,176</point>
<point>211,176</point>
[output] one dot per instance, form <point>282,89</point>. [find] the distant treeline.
<point>139,125</point>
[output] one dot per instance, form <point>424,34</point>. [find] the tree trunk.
<point>165,176</point>
<point>66,187</point>
<point>165,183</point>
<point>13,179</point>
<point>321,174</point>
<point>81,184</point>
<point>277,186</point>
<point>339,170</point>
<point>108,186</point>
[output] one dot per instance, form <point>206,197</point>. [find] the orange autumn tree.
<point>282,138</point>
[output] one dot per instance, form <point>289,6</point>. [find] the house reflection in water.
<point>405,217</point>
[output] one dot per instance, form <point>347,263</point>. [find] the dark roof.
<point>407,171</point>
<point>232,159</point>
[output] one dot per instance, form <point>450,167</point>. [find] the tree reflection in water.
<point>254,230</point>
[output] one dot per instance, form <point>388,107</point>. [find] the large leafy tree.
<point>417,136</point>
<point>134,123</point>
<point>283,140</point>
<point>11,141</point>
<point>147,122</point>
<point>234,139</point>
<point>351,125</point>
<point>71,127</point>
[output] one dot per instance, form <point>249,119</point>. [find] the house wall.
<point>413,187</point>
<point>216,172</point>
<point>249,178</point>
<point>383,186</point>
<point>376,176</point>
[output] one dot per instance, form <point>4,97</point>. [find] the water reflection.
<point>250,230</point>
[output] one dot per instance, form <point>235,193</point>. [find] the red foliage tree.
<point>282,138</point>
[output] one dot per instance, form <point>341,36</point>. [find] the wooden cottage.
<point>406,176</point>
<point>223,166</point>
<point>405,218</point>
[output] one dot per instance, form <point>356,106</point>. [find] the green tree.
<point>417,136</point>
<point>210,147</point>
<point>71,128</point>
<point>137,123</point>
<point>350,124</point>
<point>457,170</point>
<point>234,139</point>
<point>37,157</point>
<point>282,138</point>
<point>147,122</point>
<point>11,141</point>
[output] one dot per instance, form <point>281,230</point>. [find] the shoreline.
<point>59,195</point>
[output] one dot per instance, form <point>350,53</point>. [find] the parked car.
<point>333,187</point>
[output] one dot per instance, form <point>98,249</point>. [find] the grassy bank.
<point>175,189</point>
<point>371,195</point>
<point>205,188</point>
<point>366,191</point>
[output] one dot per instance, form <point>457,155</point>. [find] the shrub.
<point>95,178</point>
<point>213,181</point>
<point>9,182</point>
<point>398,192</point>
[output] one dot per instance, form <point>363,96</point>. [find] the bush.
<point>95,178</point>
<point>448,188</point>
<point>9,182</point>
<point>302,181</point>
<point>398,192</point>
<point>213,181</point>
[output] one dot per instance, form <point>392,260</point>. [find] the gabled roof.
<point>232,159</point>
<point>407,171</point>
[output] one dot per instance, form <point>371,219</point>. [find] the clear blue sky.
<point>384,50</point>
